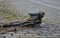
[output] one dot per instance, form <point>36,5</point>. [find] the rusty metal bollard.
<point>15,30</point>
<point>19,36</point>
<point>11,34</point>
<point>4,36</point>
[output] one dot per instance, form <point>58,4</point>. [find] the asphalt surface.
<point>51,3</point>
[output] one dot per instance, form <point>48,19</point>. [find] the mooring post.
<point>4,36</point>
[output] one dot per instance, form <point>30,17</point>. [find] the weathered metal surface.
<point>33,21</point>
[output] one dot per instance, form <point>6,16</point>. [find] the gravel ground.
<point>52,31</point>
<point>51,21</point>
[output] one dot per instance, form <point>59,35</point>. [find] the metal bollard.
<point>11,34</point>
<point>15,30</point>
<point>25,34</point>
<point>32,36</point>
<point>46,36</point>
<point>19,36</point>
<point>4,36</point>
